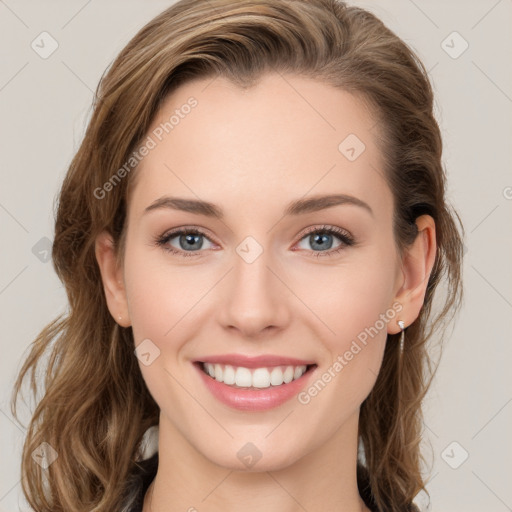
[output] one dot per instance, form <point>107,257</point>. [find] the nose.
<point>255,298</point>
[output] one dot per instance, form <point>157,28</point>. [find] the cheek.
<point>354,304</point>
<point>347,298</point>
<point>160,295</point>
<point>158,299</point>
<point>357,310</point>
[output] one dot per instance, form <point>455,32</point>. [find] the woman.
<point>250,236</point>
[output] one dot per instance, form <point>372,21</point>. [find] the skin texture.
<point>251,153</point>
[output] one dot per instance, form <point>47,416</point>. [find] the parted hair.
<point>92,405</point>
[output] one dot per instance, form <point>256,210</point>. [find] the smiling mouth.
<point>254,378</point>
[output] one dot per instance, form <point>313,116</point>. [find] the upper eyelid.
<point>327,227</point>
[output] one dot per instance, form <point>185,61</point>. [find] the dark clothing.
<point>148,468</point>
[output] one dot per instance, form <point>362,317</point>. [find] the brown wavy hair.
<point>94,406</point>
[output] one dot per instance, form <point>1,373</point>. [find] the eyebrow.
<point>297,207</point>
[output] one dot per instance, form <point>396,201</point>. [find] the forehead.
<point>287,135</point>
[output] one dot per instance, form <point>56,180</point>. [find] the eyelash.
<point>346,239</point>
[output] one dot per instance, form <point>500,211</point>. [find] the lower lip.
<point>246,399</point>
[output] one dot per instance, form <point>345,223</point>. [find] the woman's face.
<point>253,275</point>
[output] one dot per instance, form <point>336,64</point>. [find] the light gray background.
<point>45,103</point>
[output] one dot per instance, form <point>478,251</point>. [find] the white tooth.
<point>261,378</point>
<point>218,372</point>
<point>243,377</point>
<point>299,370</point>
<point>229,375</point>
<point>257,378</point>
<point>210,369</point>
<point>276,377</point>
<point>288,374</point>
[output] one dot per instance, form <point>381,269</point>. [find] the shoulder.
<point>138,483</point>
<point>145,472</point>
<point>363,484</point>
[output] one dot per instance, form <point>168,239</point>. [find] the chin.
<point>251,456</point>
<point>264,464</point>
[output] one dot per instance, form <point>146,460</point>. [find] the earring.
<point>401,324</point>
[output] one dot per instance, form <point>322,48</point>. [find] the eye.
<point>322,239</point>
<point>189,241</point>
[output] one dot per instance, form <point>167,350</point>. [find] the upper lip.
<point>265,360</point>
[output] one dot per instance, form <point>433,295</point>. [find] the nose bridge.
<point>255,298</point>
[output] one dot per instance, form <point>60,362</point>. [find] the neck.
<point>324,479</point>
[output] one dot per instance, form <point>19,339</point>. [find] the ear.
<point>112,277</point>
<point>416,266</point>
